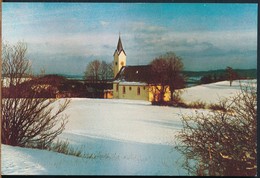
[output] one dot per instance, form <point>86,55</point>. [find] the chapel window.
<point>138,91</point>
<point>123,89</point>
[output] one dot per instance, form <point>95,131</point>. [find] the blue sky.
<point>64,37</point>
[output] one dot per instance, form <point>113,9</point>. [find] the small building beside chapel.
<point>130,82</point>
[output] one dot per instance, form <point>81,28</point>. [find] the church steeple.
<point>119,45</point>
<point>119,57</point>
<point>119,48</point>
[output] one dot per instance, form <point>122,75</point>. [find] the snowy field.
<point>125,137</point>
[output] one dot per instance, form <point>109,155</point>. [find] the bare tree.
<point>27,121</point>
<point>106,70</point>
<point>222,142</point>
<point>231,75</point>
<point>92,70</point>
<point>98,70</point>
<point>158,78</point>
<point>175,79</point>
<point>166,73</point>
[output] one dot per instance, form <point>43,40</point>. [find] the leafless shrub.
<point>63,147</point>
<point>222,142</point>
<point>217,107</point>
<point>27,121</point>
<point>197,105</point>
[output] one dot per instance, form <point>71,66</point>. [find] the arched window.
<point>117,87</point>
<point>130,88</point>
<point>138,91</point>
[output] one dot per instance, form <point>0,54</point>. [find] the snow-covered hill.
<point>126,137</point>
<point>212,93</point>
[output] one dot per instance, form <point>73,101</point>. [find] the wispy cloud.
<point>104,23</point>
<point>204,36</point>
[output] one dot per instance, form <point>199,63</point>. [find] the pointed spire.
<point>119,48</point>
<point>119,45</point>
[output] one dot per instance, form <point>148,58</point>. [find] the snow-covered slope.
<point>126,137</point>
<point>214,92</point>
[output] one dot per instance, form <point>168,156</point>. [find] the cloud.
<point>104,23</point>
<point>144,34</point>
<point>63,63</point>
<point>234,59</point>
<point>200,51</point>
<point>78,43</point>
<point>196,41</point>
<point>144,28</point>
<point>74,37</point>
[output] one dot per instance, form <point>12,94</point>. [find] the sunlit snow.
<point>126,137</point>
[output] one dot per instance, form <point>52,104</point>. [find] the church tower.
<point>119,57</point>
